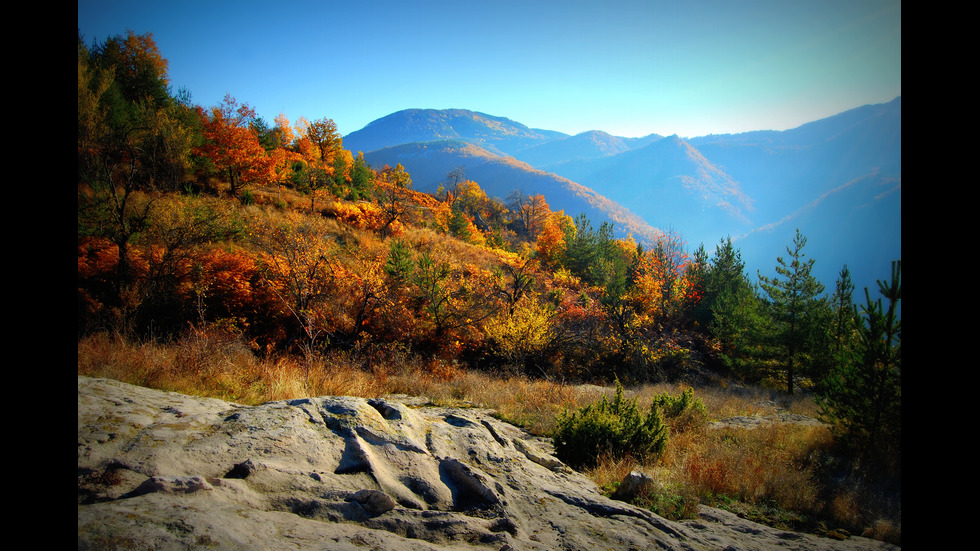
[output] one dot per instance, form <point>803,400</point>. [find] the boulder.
<point>160,470</point>
<point>633,484</point>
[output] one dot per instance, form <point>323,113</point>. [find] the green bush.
<point>615,427</point>
<point>683,411</point>
<point>674,406</point>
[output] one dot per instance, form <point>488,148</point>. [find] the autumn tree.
<point>322,135</point>
<point>297,261</point>
<point>630,300</point>
<point>531,213</point>
<point>454,178</point>
<point>695,276</point>
<point>232,144</point>
<point>451,300</point>
<point>550,245</point>
<point>391,187</point>
<point>310,178</point>
<point>667,265</point>
<point>179,228</point>
<point>520,273</point>
<point>522,334</point>
<point>794,305</point>
<point>395,177</point>
<point>282,134</point>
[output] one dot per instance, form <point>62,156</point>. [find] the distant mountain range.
<point>838,179</point>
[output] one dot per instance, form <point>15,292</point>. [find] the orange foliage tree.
<point>321,150</point>
<point>532,212</point>
<point>232,145</point>
<point>667,263</point>
<point>550,244</point>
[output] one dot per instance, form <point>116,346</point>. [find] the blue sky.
<point>629,68</point>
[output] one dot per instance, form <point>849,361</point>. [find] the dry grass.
<point>212,363</point>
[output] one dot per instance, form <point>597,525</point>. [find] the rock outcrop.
<point>160,470</point>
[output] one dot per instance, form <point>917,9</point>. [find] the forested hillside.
<point>210,219</point>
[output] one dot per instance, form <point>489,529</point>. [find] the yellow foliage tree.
<point>523,331</point>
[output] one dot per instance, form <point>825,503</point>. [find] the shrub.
<point>684,410</point>
<point>616,428</point>
<point>247,197</point>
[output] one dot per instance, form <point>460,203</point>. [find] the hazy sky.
<point>629,68</point>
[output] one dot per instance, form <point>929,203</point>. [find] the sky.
<point>626,67</point>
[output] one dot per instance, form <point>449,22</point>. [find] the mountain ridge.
<point>751,186</point>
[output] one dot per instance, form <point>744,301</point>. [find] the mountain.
<point>495,134</point>
<point>837,179</point>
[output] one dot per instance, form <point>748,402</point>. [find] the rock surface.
<point>160,470</point>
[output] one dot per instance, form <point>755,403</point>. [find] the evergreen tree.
<point>736,321</point>
<point>400,265</point>
<point>458,224</point>
<point>132,142</point>
<point>361,177</point>
<point>863,396</point>
<point>794,308</point>
<point>842,304</point>
<point>724,275</point>
<point>593,254</point>
<point>730,306</point>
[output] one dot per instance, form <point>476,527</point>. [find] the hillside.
<point>429,163</point>
<point>430,143</point>
<point>671,182</point>
<point>834,179</point>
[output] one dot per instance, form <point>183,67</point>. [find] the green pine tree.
<point>842,304</point>
<point>730,308</point>
<point>795,308</point>
<point>863,396</point>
